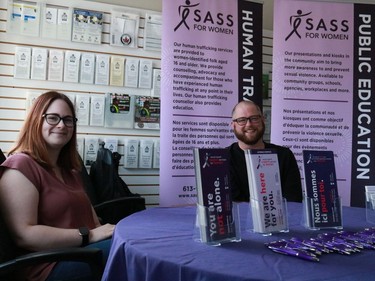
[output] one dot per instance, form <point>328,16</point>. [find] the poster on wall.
<point>323,74</point>
<point>211,59</point>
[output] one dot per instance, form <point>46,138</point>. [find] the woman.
<point>41,194</point>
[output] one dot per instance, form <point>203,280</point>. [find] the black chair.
<point>113,206</point>
<point>11,263</point>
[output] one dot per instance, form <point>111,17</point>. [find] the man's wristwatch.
<point>84,232</point>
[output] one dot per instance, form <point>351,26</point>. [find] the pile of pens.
<point>342,242</point>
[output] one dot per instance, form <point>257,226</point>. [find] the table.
<point>157,244</point>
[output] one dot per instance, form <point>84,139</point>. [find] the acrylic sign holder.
<point>309,219</point>
<point>256,220</point>
<point>202,227</point>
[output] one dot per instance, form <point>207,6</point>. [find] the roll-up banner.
<point>211,59</point>
<point>323,80</point>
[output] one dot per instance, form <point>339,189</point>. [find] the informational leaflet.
<point>22,62</point>
<point>214,197</point>
<point>83,109</point>
<point>91,150</point>
<point>131,153</point>
<point>146,147</point>
<point>64,24</point>
<point>266,200</point>
<point>323,202</point>
<point>97,110</point>
<point>124,29</point>
<point>119,111</point>
<point>39,59</point>
<point>87,69</point>
<point>71,66</point>
<point>147,112</point>
<point>49,22</point>
<point>152,32</point>
<point>116,77</point>
<point>87,26</point>
<point>102,67</point>
<point>55,65</point>
<point>131,72</point>
<point>145,74</point>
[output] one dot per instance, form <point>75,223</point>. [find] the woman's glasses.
<point>54,119</point>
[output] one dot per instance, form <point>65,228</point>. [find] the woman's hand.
<point>102,232</point>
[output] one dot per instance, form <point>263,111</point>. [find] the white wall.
<point>157,6</point>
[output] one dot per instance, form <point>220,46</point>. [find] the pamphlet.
<point>81,146</point>
<point>214,196</point>
<point>131,153</point>
<point>145,74</point>
<point>87,26</point>
<point>64,24</point>
<point>83,109</point>
<point>119,111</point>
<point>39,59</point>
<point>111,144</point>
<point>124,29</point>
<point>71,66</point>
<point>153,32</point>
<point>156,156</point>
<point>102,69</point>
<point>146,147</point>
<point>91,150</point>
<point>116,77</point>
<point>49,22</point>
<point>156,82</point>
<point>266,200</point>
<point>131,72</point>
<point>22,63</point>
<point>147,112</point>
<point>87,70</point>
<point>55,65</point>
<point>323,201</point>
<point>97,110</point>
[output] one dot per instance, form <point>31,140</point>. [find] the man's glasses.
<point>54,119</point>
<point>243,120</point>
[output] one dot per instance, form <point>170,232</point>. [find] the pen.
<point>308,246</point>
<point>295,253</point>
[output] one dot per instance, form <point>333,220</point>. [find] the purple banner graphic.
<point>200,84</point>
<point>315,87</point>
<point>363,169</point>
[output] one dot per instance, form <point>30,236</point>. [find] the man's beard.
<point>253,140</point>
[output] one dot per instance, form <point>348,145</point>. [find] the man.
<point>248,126</point>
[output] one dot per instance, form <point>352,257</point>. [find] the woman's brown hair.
<point>31,142</point>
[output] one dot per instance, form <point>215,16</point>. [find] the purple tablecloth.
<point>157,244</point>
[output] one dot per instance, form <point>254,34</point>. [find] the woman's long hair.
<point>31,141</point>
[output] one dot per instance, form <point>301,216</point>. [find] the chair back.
<point>2,156</point>
<point>8,250</point>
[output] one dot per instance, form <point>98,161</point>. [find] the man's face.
<point>251,133</point>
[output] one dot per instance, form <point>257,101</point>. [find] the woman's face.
<point>58,135</point>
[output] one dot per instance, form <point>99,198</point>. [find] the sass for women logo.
<point>306,25</point>
<point>192,15</point>
<point>184,12</point>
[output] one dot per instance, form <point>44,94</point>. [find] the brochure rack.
<point>314,219</point>
<point>261,220</point>
<point>202,227</point>
<point>370,204</point>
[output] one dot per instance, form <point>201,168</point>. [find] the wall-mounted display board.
<point>82,48</point>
